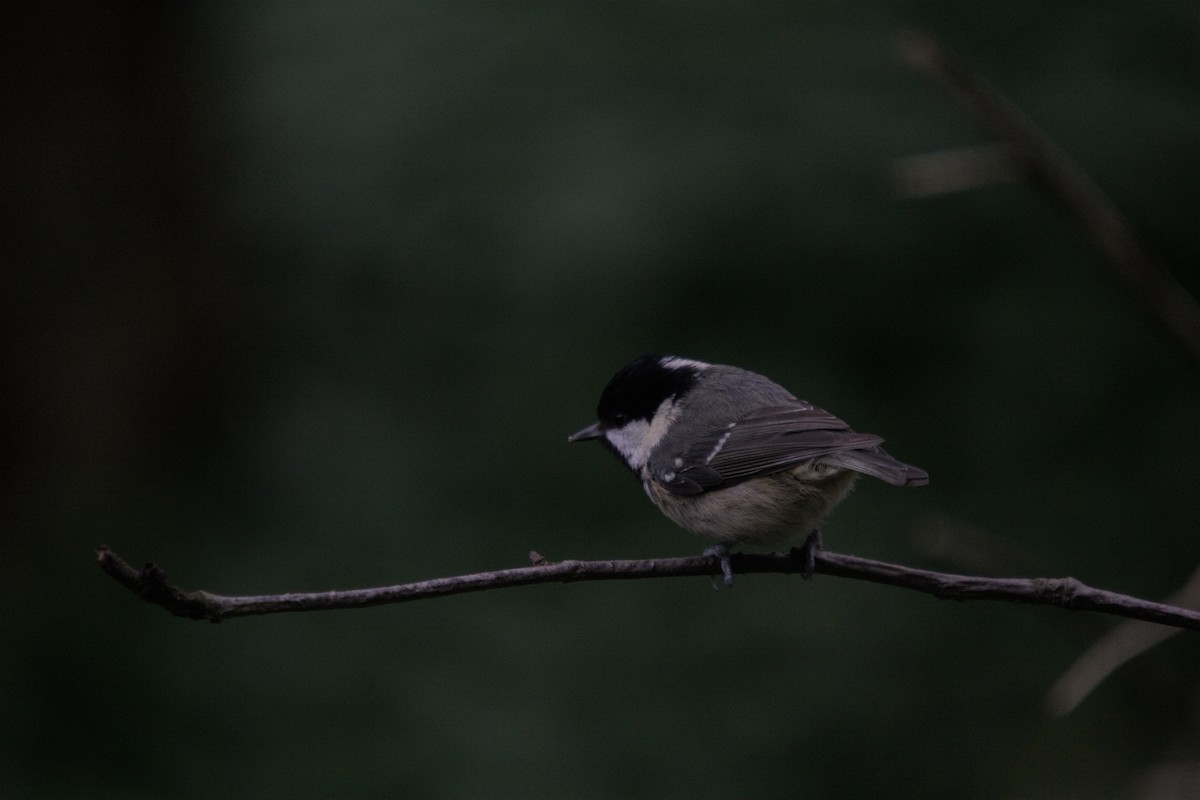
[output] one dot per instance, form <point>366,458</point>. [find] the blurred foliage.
<point>305,295</point>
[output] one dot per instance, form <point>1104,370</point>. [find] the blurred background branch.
<point>1115,648</point>
<point>1027,152</point>
<point>1054,171</point>
<point>959,169</point>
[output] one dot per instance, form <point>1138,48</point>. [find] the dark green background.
<point>298,296</point>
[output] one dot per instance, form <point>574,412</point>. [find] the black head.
<point>637,391</point>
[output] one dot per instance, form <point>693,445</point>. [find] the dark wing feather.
<point>772,440</point>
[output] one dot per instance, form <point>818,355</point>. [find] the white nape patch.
<point>636,440</point>
<point>675,362</point>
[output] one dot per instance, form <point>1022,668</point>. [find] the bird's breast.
<point>768,510</point>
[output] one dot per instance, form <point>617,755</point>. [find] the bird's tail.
<point>878,464</point>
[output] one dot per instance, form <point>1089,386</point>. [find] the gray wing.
<point>775,439</point>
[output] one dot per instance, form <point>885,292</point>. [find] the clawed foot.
<point>721,551</point>
<point>807,553</point>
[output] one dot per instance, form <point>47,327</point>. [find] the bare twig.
<point>1062,178</point>
<point>150,584</point>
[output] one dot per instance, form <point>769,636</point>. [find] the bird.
<point>732,456</point>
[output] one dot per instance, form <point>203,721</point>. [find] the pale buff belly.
<point>769,511</point>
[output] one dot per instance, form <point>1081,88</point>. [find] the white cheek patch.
<point>636,440</point>
<point>628,442</point>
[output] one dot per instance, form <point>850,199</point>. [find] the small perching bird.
<point>733,456</point>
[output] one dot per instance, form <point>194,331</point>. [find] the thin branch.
<point>149,583</point>
<point>1049,167</point>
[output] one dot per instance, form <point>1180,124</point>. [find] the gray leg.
<point>807,553</point>
<point>721,551</point>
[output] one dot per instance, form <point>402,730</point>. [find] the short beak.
<point>593,431</point>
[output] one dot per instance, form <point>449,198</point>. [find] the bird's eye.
<point>619,419</point>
